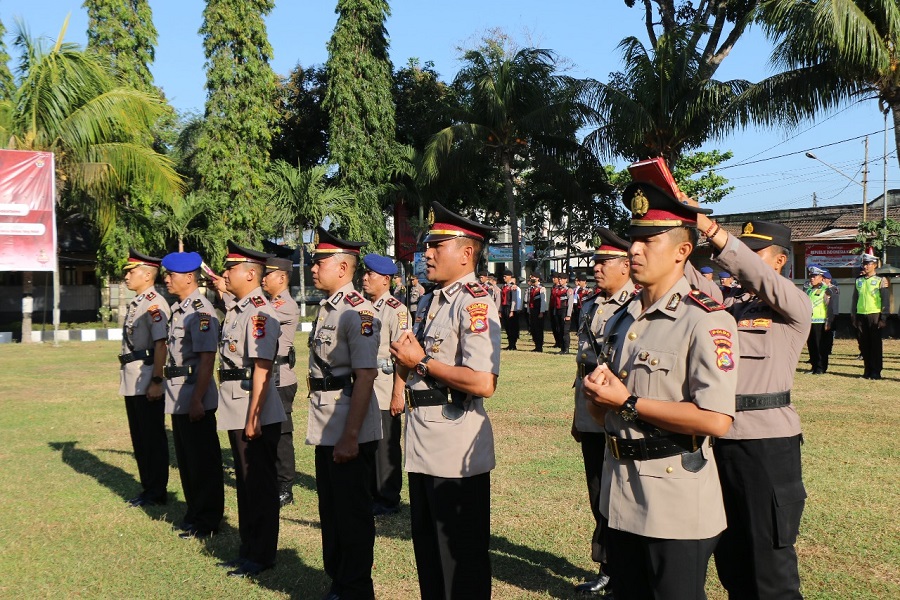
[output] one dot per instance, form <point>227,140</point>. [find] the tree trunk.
<point>181,243</point>
<point>27,305</point>
<point>513,219</point>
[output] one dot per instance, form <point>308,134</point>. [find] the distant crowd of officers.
<point>690,441</point>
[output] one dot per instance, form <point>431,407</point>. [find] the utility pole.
<point>865,180</point>
<point>884,198</point>
<point>814,200</point>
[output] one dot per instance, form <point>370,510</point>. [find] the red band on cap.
<point>450,229</point>
<point>326,248</point>
<point>658,214</point>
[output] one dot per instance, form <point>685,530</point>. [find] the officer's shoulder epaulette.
<point>198,304</point>
<point>707,303</point>
<point>476,289</point>
<point>258,301</point>
<point>150,295</point>
<point>394,303</point>
<point>278,303</point>
<point>354,299</point>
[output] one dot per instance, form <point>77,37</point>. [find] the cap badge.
<point>431,217</point>
<point>748,229</point>
<point>639,204</point>
<point>316,239</point>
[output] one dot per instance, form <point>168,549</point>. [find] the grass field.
<point>66,467</point>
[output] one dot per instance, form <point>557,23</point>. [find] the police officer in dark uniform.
<point>250,409</point>
<point>141,377</point>
<point>276,284</point>
<point>192,397</point>
<point>561,304</point>
<point>537,307</point>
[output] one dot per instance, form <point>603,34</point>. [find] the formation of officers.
<point>690,441</point>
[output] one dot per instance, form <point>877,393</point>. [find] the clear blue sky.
<point>585,32</point>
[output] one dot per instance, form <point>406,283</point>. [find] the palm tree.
<point>831,52</point>
<point>516,106</point>
<point>66,102</point>
<point>181,218</point>
<point>304,199</point>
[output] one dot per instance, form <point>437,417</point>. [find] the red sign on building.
<point>832,256</point>
<point>27,215</point>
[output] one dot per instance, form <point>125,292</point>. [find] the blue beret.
<point>706,270</point>
<point>379,264</point>
<point>826,274</point>
<point>182,262</point>
<point>724,275</point>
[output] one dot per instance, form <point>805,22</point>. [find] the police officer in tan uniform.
<point>344,422</point>
<point>141,377</point>
<point>614,289</point>
<point>667,388</point>
<point>250,409</point>
<point>192,396</point>
<point>276,283</point>
<point>387,480</point>
<point>759,457</point>
<point>452,365</point>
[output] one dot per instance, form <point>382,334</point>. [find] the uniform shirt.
<point>461,328</point>
<point>820,297</point>
<point>146,322</point>
<point>415,294</point>
<point>773,326</point>
<point>394,321</point>
<point>870,296</point>
<point>561,299</point>
<point>345,338</point>
<point>250,331</point>
<point>537,299</point>
<point>194,328</point>
<point>675,351</point>
<point>596,311</point>
<point>288,314</point>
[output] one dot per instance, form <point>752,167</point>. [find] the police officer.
<point>250,409</point>
<point>578,294</point>
<point>707,272</point>
<point>822,319</point>
<point>192,396</point>
<point>452,367</point>
<point>537,307</point>
<point>344,422</point>
<point>561,303</point>
<point>141,377</point>
<point>387,476</point>
<point>759,458</point>
<point>614,289</point>
<point>868,314</point>
<point>416,291</point>
<point>668,387</point>
<point>276,283</point>
<point>510,306</point>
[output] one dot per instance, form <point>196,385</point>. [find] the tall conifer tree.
<point>123,32</point>
<point>233,147</point>
<point>360,104</point>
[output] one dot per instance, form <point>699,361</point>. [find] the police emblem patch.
<point>155,314</point>
<point>724,354</point>
<point>478,319</point>
<point>204,321</point>
<point>259,326</point>
<point>258,301</point>
<point>403,320</point>
<point>367,327</point>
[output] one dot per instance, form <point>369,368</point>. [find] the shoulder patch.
<point>155,313</point>
<point>394,303</point>
<point>354,299</point>
<point>478,317</point>
<point>204,321</point>
<point>197,303</point>
<point>476,289</point>
<point>724,355</point>
<point>367,319</point>
<point>150,295</point>
<point>258,301</point>
<point>259,326</point>
<point>707,303</point>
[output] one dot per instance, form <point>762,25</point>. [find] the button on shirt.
<point>146,322</point>
<point>461,328</point>
<point>250,331</point>
<point>345,338</point>
<point>194,328</point>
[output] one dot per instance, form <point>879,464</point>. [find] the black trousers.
<point>147,425</point>
<point>257,493</point>
<point>593,445</point>
<point>510,325</point>
<point>576,317</point>
<point>451,532</point>
<point>285,465</point>
<point>200,468</point>
<point>348,527</point>
<point>816,344</point>
<point>643,568</point>
<point>387,480</point>
<point>536,328</point>
<point>828,343</point>
<point>764,496</point>
<point>561,329</point>
<point>870,343</point>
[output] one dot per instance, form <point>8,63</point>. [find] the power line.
<point>753,162</point>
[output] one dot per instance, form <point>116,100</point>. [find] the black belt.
<point>430,397</point>
<point>235,374</point>
<point>584,369</point>
<point>170,371</point>
<point>282,360</point>
<point>133,356</point>
<point>761,401</point>
<point>328,384</point>
<point>649,448</point>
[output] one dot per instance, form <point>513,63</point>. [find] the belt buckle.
<point>612,442</point>
<point>410,401</point>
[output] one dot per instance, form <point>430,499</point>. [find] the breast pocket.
<point>649,369</point>
<point>755,342</point>
<point>437,343</point>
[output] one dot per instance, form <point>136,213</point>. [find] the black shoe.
<point>183,526</point>
<point>145,501</point>
<point>285,498</point>
<point>331,596</point>
<point>564,352</point>
<point>249,569</point>
<point>380,510</point>
<point>875,376</point>
<point>231,564</point>
<point>537,350</point>
<point>198,533</point>
<point>594,587</point>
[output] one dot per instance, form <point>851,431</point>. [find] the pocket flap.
<point>789,493</point>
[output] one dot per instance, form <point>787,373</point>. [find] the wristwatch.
<point>156,379</point>
<point>422,367</point>
<point>629,409</point>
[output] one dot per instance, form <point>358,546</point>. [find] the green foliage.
<point>301,134</point>
<point>7,84</point>
<point>122,32</point>
<point>876,233</point>
<point>232,148</point>
<point>423,103</point>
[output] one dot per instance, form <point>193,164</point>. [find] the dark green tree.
<point>360,107</point>
<point>423,103</point>
<point>122,32</point>
<point>7,84</point>
<point>232,148</point>
<point>301,134</point>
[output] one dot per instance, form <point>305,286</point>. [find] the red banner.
<point>27,215</point>
<point>404,238</point>
<point>832,256</point>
